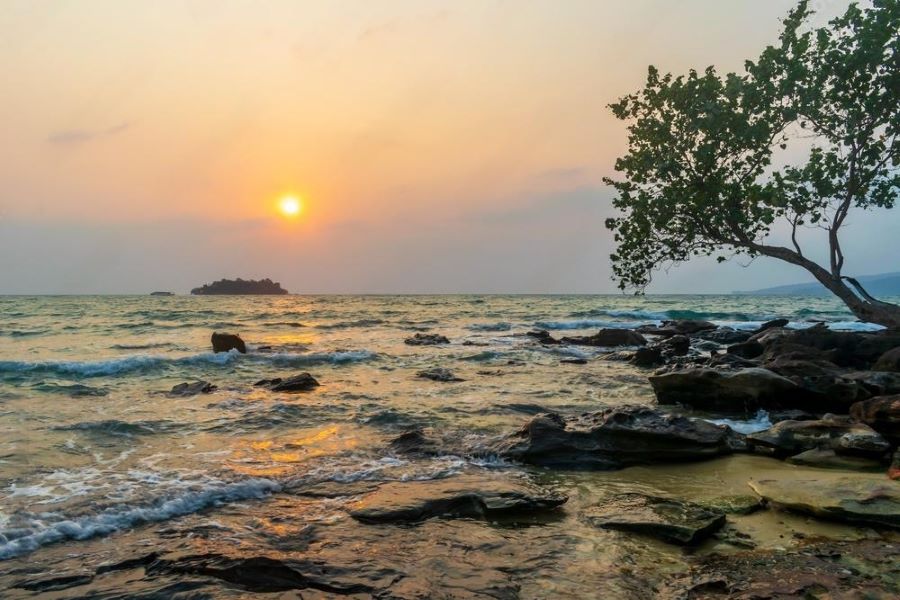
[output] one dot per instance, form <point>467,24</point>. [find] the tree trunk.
<point>872,311</point>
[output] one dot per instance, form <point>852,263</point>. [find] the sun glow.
<point>290,206</point>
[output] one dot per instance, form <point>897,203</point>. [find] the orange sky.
<point>385,117</point>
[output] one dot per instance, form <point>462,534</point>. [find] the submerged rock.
<point>302,382</point>
<point>414,441</point>
<point>458,497</point>
<point>224,342</point>
<point>438,374</point>
<point>192,389</point>
<point>743,391</point>
<point>835,433</point>
<point>866,500</point>
<point>426,339</point>
<point>608,338</point>
<point>742,504</point>
<point>882,414</point>
<point>616,438</point>
<point>543,337</point>
<point>664,518</point>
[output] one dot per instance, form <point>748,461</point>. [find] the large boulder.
<point>836,433</point>
<point>889,361</point>
<point>843,348</point>
<point>822,381</point>
<point>608,338</point>
<point>857,498</point>
<point>742,391</point>
<point>724,335</point>
<point>302,382</point>
<point>882,414</point>
<point>225,342</point>
<point>746,349</point>
<point>677,345</point>
<point>426,339</point>
<point>649,356</point>
<point>616,438</point>
<point>472,497</point>
<point>664,518</point>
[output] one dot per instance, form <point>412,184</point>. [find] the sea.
<point>102,471</point>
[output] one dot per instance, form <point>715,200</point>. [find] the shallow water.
<point>98,464</point>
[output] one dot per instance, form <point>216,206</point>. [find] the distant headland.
<point>885,284</point>
<point>240,287</point>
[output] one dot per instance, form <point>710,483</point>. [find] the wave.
<point>144,363</point>
<point>148,346</point>
<point>16,333</point>
<point>351,324</point>
<point>74,390</point>
<point>294,324</point>
<point>760,422</point>
<point>49,529</point>
<point>121,428</point>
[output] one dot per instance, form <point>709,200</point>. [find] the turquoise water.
<point>95,456</point>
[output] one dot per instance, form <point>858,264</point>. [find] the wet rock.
<point>707,346</point>
<point>744,391</point>
<point>724,335</point>
<point>843,348</point>
<point>648,357</point>
<point>438,374</point>
<point>414,441</point>
<point>224,342</point>
<point>860,499</point>
<point>458,497</point>
<point>747,350</point>
<point>881,414</point>
<point>302,382</point>
<point>608,338</point>
<point>679,327</point>
<point>677,345</point>
<point>426,339</point>
<point>574,361</point>
<point>829,459</point>
<point>192,389</point>
<point>615,438</point>
<point>742,504</point>
<point>889,361</point>
<point>823,383</point>
<point>877,383</point>
<point>839,434</point>
<point>543,337</point>
<point>670,520</point>
<point>779,323</point>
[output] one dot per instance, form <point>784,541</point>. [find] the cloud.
<point>81,136</point>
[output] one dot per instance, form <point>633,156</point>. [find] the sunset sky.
<point>434,146</point>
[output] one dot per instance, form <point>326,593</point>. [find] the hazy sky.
<point>437,146</point>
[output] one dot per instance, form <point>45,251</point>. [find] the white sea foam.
<point>48,528</point>
<point>760,422</point>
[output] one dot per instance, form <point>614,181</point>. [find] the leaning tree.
<point>709,170</point>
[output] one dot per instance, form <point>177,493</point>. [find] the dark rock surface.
<point>302,382</point>
<point>543,337</point>
<point>648,357</point>
<point>742,391</point>
<point>438,374</point>
<point>749,349</point>
<point>829,459</point>
<point>678,327</point>
<point>839,434</point>
<point>670,520</point>
<point>881,414</point>
<point>724,335</point>
<point>615,438</point>
<point>608,338</point>
<point>458,497</point>
<point>889,361</point>
<point>426,339</point>
<point>224,342</point>
<point>192,389</point>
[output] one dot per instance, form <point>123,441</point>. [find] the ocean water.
<point>98,464</point>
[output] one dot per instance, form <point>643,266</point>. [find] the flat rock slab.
<point>438,374</point>
<point>458,497</point>
<point>836,433</point>
<point>670,520</point>
<point>829,459</point>
<point>861,499</point>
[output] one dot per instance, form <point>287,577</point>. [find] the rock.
<point>192,389</point>
<point>877,383</point>
<point>823,383</point>
<point>742,504</point>
<point>648,357</point>
<point>667,519</point>
<point>303,382</point>
<point>614,438</point>
<point>724,335</point>
<point>829,459</point>
<point>894,470</point>
<point>840,434</point>
<point>889,361</point>
<point>457,497</point>
<point>859,499</point>
<point>678,327</point>
<point>224,342</point>
<point>574,361</point>
<point>543,337</point>
<point>414,441</point>
<point>746,349</point>
<point>677,345</point>
<point>426,339</point>
<point>881,414</point>
<point>707,346</point>
<point>779,323</point>
<point>743,391</point>
<point>843,348</point>
<point>438,374</point>
<point>608,338</point>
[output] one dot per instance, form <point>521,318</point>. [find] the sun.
<point>290,206</point>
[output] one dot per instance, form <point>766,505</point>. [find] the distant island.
<point>885,284</point>
<point>240,287</point>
